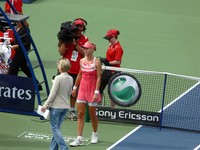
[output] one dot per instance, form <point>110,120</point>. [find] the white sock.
<point>94,133</point>
<point>79,137</point>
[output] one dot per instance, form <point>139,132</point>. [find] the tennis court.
<point>155,34</point>
<point>151,138</point>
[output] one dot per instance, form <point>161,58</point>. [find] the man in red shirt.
<point>17,5</point>
<point>113,57</point>
<point>74,52</point>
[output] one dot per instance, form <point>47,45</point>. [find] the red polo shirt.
<point>114,52</point>
<point>73,55</point>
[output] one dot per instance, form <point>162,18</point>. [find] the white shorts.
<point>84,101</point>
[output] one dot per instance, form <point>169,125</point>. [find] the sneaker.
<point>94,139</point>
<point>77,142</point>
<point>40,87</point>
<point>73,116</point>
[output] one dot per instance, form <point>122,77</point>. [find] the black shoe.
<point>40,88</point>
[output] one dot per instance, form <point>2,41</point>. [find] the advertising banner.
<point>128,116</point>
<point>17,93</point>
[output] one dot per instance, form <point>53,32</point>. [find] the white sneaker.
<point>94,138</point>
<point>77,142</point>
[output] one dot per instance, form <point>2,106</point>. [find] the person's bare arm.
<point>61,48</point>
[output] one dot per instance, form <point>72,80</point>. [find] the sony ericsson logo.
<point>127,115</point>
<point>124,89</point>
<point>15,93</point>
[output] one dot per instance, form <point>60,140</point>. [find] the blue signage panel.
<point>17,93</point>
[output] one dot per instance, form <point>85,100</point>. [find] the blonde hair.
<point>65,64</point>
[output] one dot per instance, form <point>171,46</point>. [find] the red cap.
<point>111,33</point>
<point>79,22</point>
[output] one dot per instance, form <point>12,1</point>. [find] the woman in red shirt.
<point>113,56</point>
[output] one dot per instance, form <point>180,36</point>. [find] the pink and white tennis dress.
<point>88,81</point>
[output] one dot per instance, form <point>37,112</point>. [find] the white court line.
<point>134,130</point>
<point>47,137</point>
<point>190,89</point>
<point>21,134</point>
<point>109,148</point>
<point>197,148</point>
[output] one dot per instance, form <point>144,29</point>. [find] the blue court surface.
<point>152,138</point>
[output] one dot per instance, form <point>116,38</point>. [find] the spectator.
<point>19,60</point>
<point>17,5</point>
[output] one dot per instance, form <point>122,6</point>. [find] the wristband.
<point>74,87</point>
<point>96,92</point>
